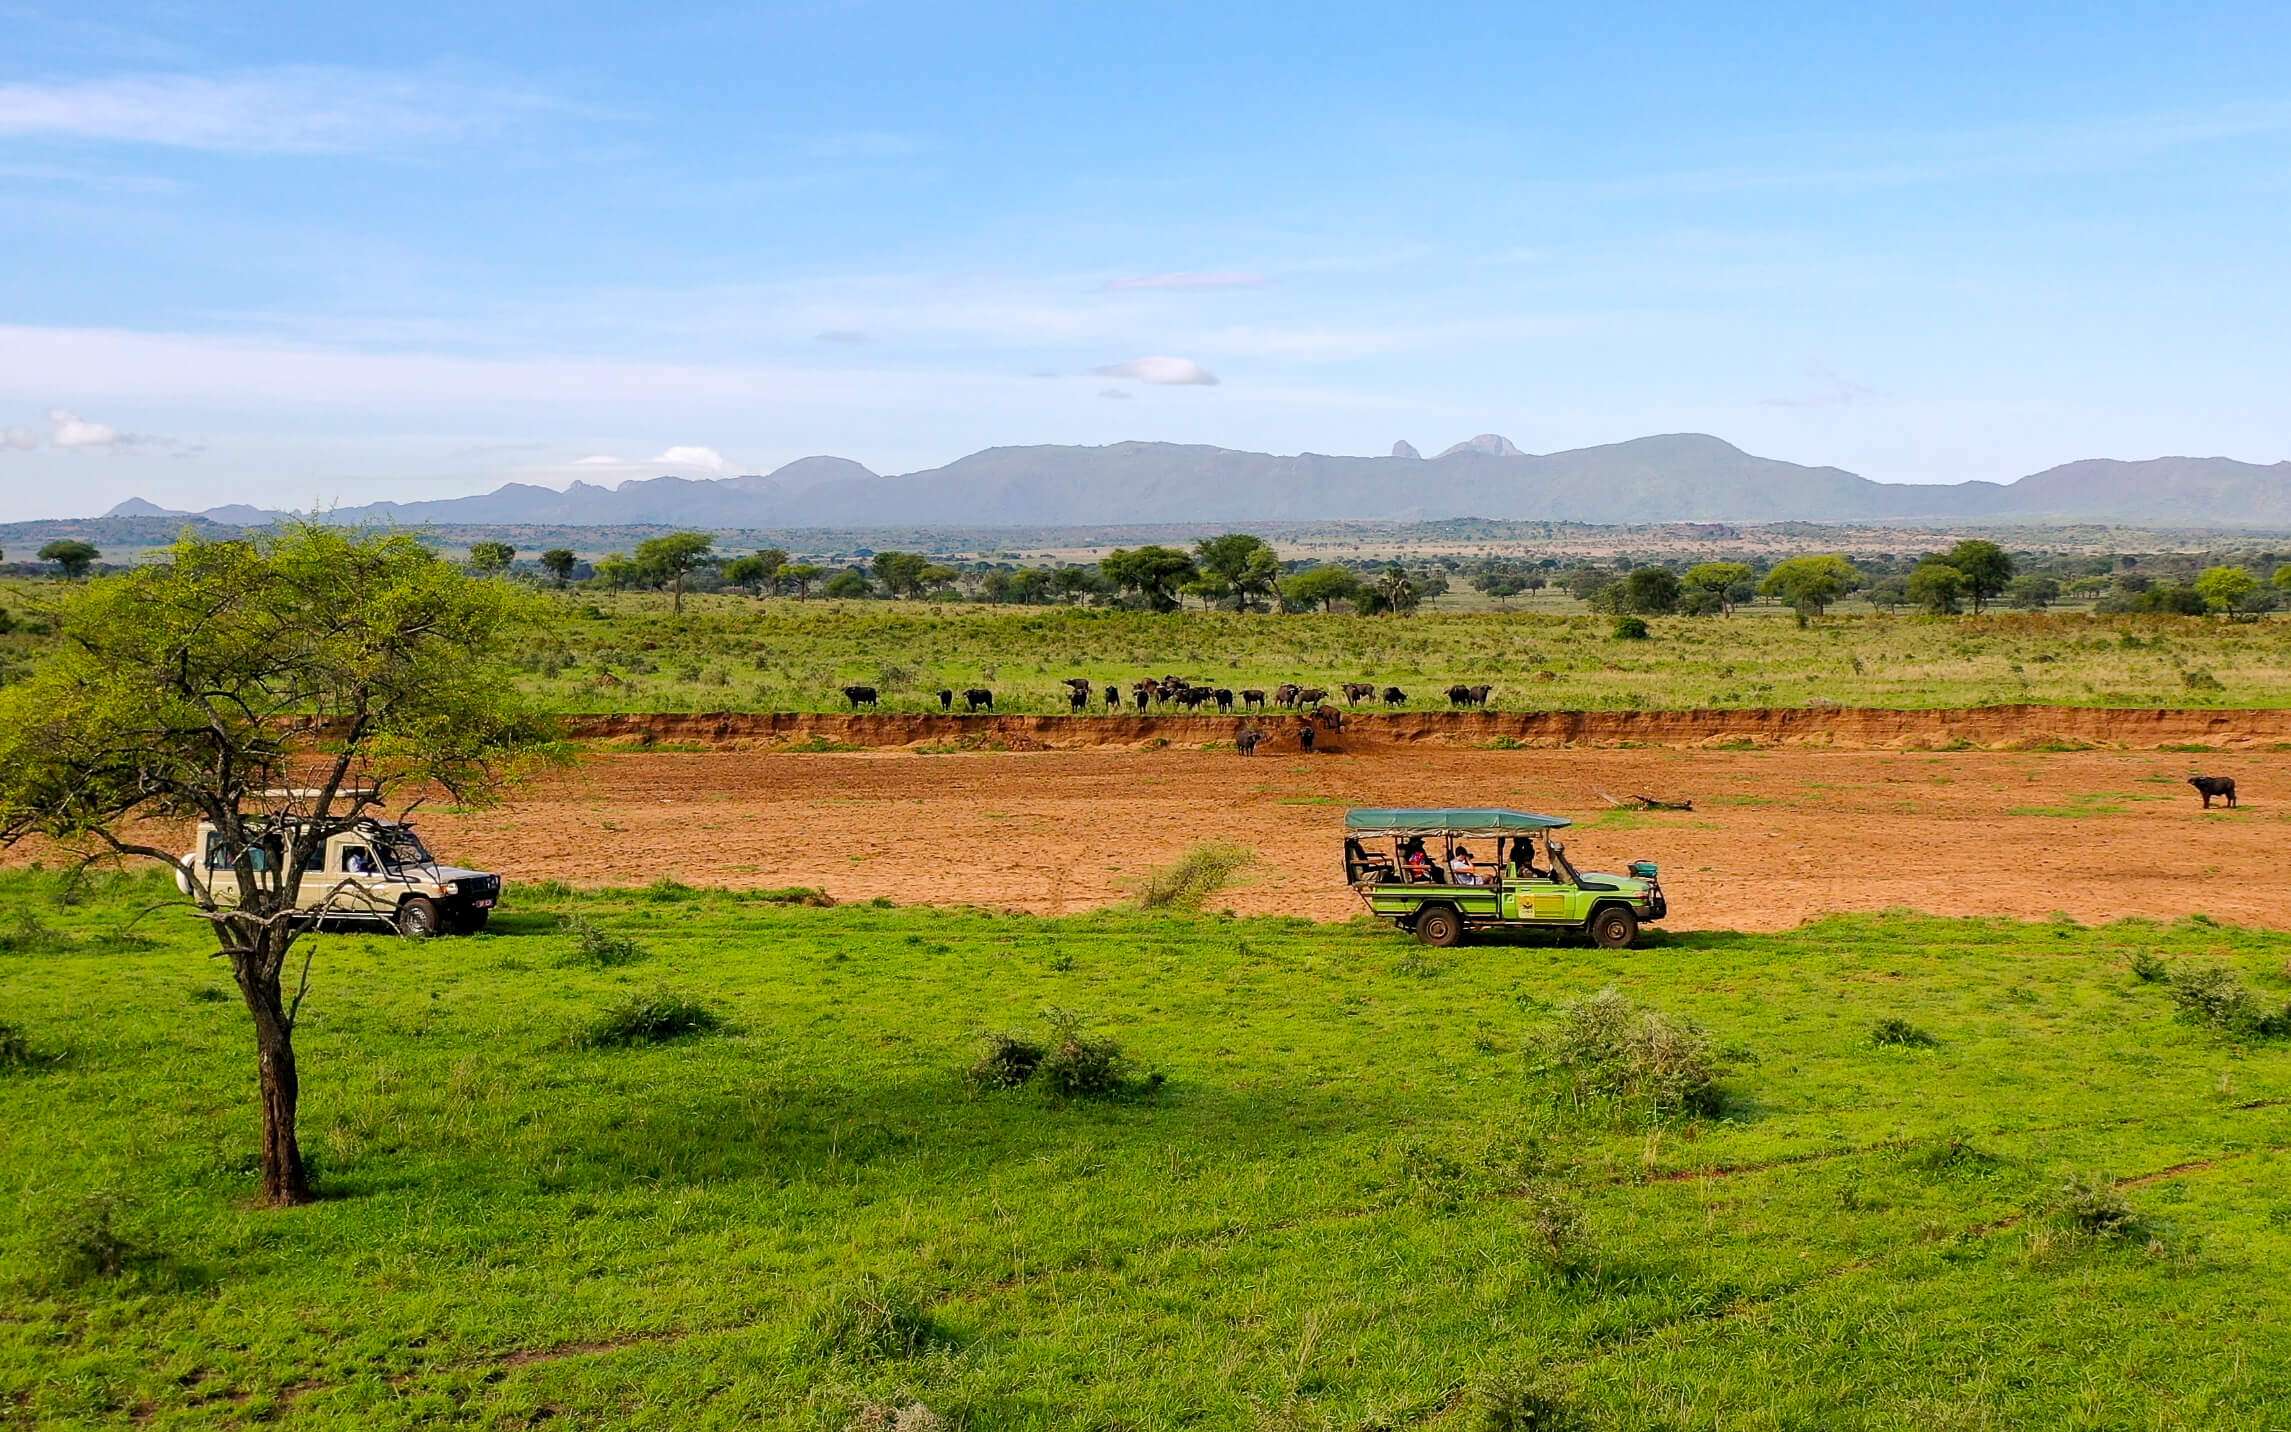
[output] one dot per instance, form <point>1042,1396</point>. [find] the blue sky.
<point>296,254</point>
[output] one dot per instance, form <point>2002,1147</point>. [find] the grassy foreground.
<point>1361,1198</point>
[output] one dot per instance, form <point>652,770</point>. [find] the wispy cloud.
<point>1119,395</point>
<point>67,431</point>
<point>298,109</point>
<point>840,335</point>
<point>1170,372</point>
<point>1184,280</point>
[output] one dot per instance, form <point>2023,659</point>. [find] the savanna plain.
<point>994,1089</point>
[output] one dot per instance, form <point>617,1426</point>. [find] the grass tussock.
<point>1005,1061</point>
<point>1896,1032</point>
<point>1513,1400</point>
<point>656,1018</point>
<point>16,1051</point>
<point>793,895</point>
<point>25,933</point>
<point>875,1320</point>
<point>595,947</point>
<point>2092,1206</point>
<point>896,1417</point>
<point>1198,874</point>
<point>2147,968</point>
<point>1071,1063</point>
<point>1637,1061</point>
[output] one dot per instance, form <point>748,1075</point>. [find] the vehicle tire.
<point>473,921</point>
<point>1614,928</point>
<point>1439,926</point>
<point>418,917</point>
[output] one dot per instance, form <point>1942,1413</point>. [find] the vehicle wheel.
<point>1615,928</point>
<point>1439,927</point>
<point>473,921</point>
<point>418,918</point>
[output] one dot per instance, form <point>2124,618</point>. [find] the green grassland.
<point>1360,1195</point>
<point>627,653</point>
<point>601,652</point>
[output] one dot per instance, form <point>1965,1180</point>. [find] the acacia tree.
<point>1810,583</point>
<point>668,560</point>
<point>1154,573</point>
<point>71,555</point>
<point>1988,568</point>
<point>491,559</point>
<point>276,689</point>
<point>558,563</point>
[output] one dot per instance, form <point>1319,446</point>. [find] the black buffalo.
<point>1356,692</point>
<point>1394,696</point>
<point>1246,740</point>
<point>946,700</point>
<point>2214,786</point>
<point>1078,697</point>
<point>1311,695</point>
<point>1285,694</point>
<point>978,697</point>
<point>1253,697</point>
<point>1305,737</point>
<point>859,696</point>
<point>1224,699</point>
<point>1113,698</point>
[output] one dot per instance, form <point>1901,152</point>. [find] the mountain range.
<point>1678,477</point>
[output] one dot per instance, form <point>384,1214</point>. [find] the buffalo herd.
<point>1187,694</point>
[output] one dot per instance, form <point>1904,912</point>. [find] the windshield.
<point>400,846</point>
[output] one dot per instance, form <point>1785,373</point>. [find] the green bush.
<point>1079,1065</point>
<point>1639,1060</point>
<point>1198,874</point>
<point>16,1050</point>
<point>1898,1031</point>
<point>595,946</point>
<point>1631,629</point>
<point>2148,969</point>
<point>655,1018</point>
<point>1006,1061</point>
<point>1517,1401</point>
<point>26,934</point>
<point>793,895</point>
<point>2090,1204</point>
<point>2211,996</point>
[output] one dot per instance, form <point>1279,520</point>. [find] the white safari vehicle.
<point>374,871</point>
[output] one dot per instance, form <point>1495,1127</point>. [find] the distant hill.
<point>1677,477</point>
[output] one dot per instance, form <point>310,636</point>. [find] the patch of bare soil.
<point>1776,837</point>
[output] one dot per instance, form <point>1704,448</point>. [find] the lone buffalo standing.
<point>859,696</point>
<point>2214,786</point>
<point>978,698</point>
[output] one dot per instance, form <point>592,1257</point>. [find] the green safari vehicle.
<point>1421,870</point>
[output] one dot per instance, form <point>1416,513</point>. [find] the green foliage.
<point>1322,586</point>
<point>1811,583</point>
<point>2148,969</point>
<point>666,560</point>
<point>16,1051</point>
<point>2091,1205</point>
<point>655,1018</point>
<point>1152,574</point>
<point>1245,568</point>
<point>1987,568</point>
<point>595,946</point>
<point>2212,997</point>
<point>1894,1030</point>
<point>72,556</point>
<point>2227,589</point>
<point>1196,875</point>
<point>1514,1400</point>
<point>876,1320</point>
<point>1641,1062</point>
<point>559,562</point>
<point>1077,1064</point>
<point>1651,591</point>
<point>1632,629</point>
<point>1005,1061</point>
<point>1938,587</point>
<point>491,559</point>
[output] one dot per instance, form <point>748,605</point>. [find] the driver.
<point>1523,859</point>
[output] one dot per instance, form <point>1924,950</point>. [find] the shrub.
<point>1631,629</point>
<point>2148,969</point>
<point>885,1417</point>
<point>597,946</point>
<point>16,1050</point>
<point>877,1320</point>
<point>1005,1061</point>
<point>1198,874</point>
<point>1635,1058</point>
<point>1078,1065</point>
<point>1553,1219</point>
<point>85,1241</point>
<point>1516,1401</point>
<point>793,895</point>
<point>2091,1205</point>
<point>28,934</point>
<point>2211,996</point>
<point>655,1018</point>
<point>1895,1030</point>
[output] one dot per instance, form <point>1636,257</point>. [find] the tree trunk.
<point>677,605</point>
<point>284,1181</point>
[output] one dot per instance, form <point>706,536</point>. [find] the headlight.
<point>453,887</point>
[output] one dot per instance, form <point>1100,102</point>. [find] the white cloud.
<point>599,460</point>
<point>1185,280</point>
<point>299,109</point>
<point>1118,394</point>
<point>1178,372</point>
<point>67,431</point>
<point>706,459</point>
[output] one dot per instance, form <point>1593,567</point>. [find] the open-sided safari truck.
<point>1442,872</point>
<point>362,868</point>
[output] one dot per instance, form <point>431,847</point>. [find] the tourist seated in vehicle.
<point>1460,867</point>
<point>1523,861</point>
<point>1419,865</point>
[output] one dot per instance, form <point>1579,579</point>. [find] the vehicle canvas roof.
<point>1485,821</point>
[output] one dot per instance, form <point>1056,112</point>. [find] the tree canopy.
<point>70,554</point>
<point>1988,568</point>
<point>279,688</point>
<point>1152,573</point>
<point>667,560</point>
<point>491,559</point>
<point>2227,589</point>
<point>1810,583</point>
